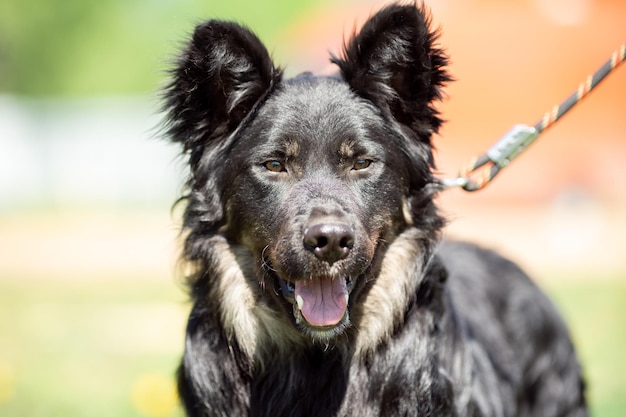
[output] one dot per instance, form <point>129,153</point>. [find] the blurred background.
<point>92,311</point>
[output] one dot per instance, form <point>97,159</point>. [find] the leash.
<point>481,170</point>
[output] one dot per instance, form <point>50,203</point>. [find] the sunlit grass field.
<point>89,348</point>
<point>596,314</point>
<point>110,349</point>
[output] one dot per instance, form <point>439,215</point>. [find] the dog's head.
<point>310,182</point>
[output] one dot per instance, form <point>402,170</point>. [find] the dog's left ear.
<point>394,62</point>
<point>223,72</point>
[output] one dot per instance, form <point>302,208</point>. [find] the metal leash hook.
<point>480,171</point>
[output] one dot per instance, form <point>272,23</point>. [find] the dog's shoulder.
<point>483,270</point>
<point>493,302</point>
<point>482,282</point>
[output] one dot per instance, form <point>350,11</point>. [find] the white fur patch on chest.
<point>245,315</point>
<point>384,306</point>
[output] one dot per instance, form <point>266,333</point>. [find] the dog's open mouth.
<point>322,302</point>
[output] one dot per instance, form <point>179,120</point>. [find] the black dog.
<point>319,284</point>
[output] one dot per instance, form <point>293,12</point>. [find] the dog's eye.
<point>274,166</point>
<point>361,164</point>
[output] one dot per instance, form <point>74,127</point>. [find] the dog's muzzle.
<point>320,282</point>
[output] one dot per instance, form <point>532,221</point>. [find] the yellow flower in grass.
<point>154,395</point>
<point>7,382</point>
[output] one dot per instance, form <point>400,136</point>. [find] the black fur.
<point>319,282</point>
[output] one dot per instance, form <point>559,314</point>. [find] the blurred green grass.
<point>89,348</point>
<point>104,348</point>
<point>96,47</point>
<point>595,310</point>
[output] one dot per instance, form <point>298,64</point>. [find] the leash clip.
<point>484,168</point>
<point>514,142</point>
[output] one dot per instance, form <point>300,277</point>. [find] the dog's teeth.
<point>347,298</point>
<point>299,301</point>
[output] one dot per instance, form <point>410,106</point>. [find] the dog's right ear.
<point>395,62</point>
<point>221,75</point>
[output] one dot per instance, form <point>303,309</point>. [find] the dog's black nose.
<point>330,242</point>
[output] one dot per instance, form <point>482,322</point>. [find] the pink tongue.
<point>324,300</point>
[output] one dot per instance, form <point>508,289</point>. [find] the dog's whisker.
<point>264,263</point>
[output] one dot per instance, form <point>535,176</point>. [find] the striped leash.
<point>481,171</point>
